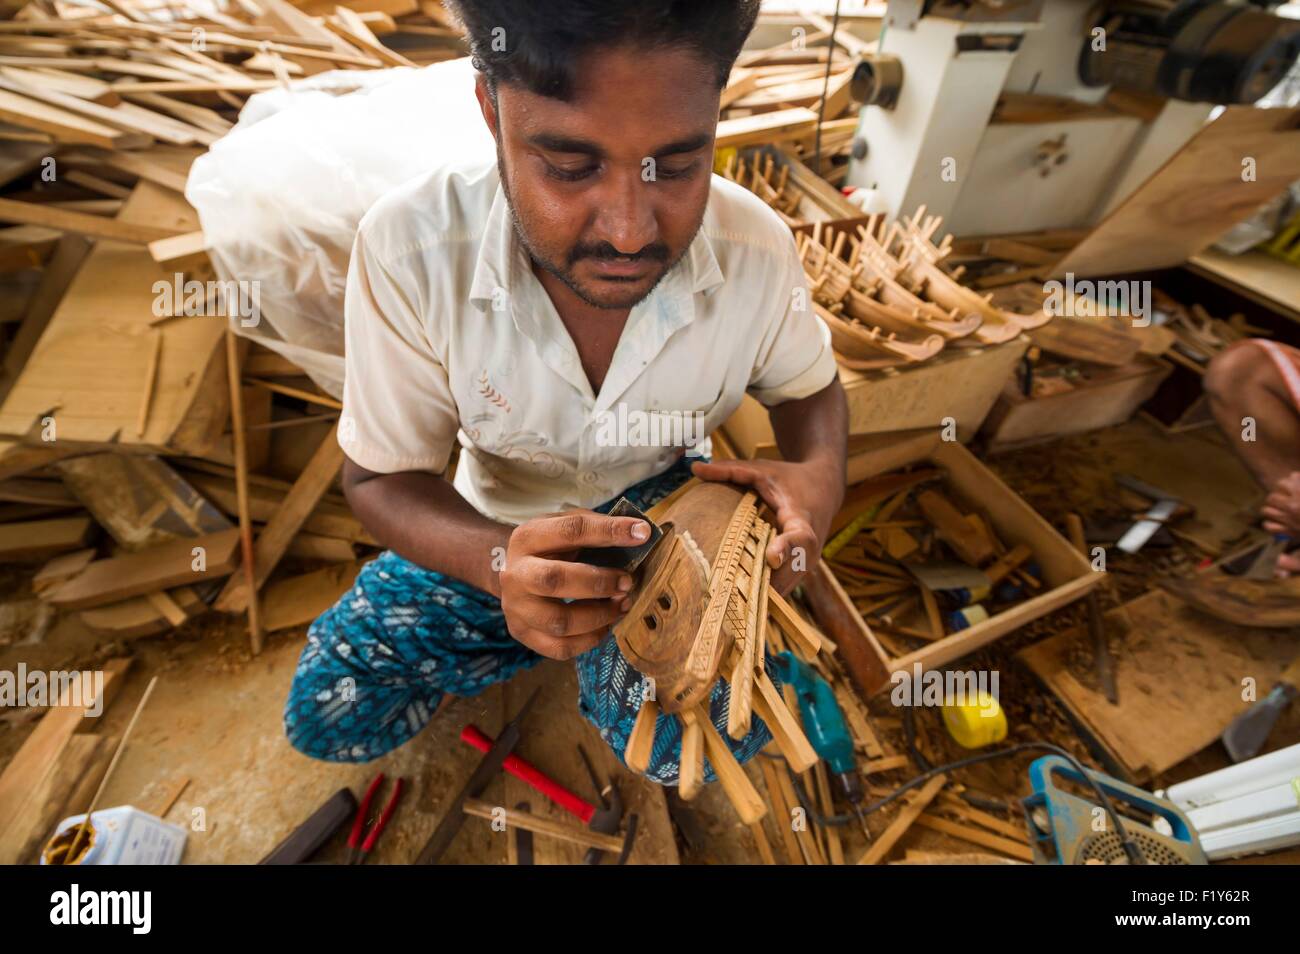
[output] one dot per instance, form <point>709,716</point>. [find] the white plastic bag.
<point>280,196</point>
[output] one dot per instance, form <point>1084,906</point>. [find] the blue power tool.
<point>1067,829</point>
<point>824,724</point>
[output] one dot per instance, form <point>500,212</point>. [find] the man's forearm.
<point>421,517</point>
<point>814,429</point>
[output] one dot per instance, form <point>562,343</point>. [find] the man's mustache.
<point>604,251</point>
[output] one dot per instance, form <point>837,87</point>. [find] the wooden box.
<point>1067,575</point>
<point>1111,397</point>
<point>959,383</point>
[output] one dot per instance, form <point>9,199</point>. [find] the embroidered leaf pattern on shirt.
<point>491,394</point>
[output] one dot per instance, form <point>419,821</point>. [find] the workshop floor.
<point>215,717</point>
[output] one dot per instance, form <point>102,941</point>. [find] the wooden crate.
<point>1110,398</point>
<point>1067,575</point>
<point>960,383</point>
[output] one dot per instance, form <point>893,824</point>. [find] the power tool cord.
<point>826,85</point>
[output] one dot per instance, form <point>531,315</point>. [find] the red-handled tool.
<point>527,772</point>
<point>358,849</point>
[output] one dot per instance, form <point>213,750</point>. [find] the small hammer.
<point>603,819</point>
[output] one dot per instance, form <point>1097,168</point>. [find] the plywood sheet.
<point>88,370</point>
<point>1196,196</point>
<point>1179,674</point>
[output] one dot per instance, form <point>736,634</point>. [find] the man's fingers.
<point>554,618</point>
<point>795,539</point>
<point>578,528</point>
<point>563,647</point>
<point>571,581</point>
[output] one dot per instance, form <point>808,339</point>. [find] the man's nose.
<point>626,218</point>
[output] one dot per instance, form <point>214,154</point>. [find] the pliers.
<point>357,848</point>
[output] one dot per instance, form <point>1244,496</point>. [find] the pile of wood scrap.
<point>56,771</point>
<point>797,93</point>
<point>917,567</point>
<point>885,293</point>
<point>140,464</point>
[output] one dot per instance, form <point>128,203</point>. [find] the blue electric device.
<point>1066,828</point>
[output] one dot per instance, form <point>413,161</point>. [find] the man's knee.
<point>1239,366</point>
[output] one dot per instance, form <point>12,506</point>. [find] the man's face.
<point>609,188</point>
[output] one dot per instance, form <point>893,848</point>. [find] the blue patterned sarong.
<point>378,663</point>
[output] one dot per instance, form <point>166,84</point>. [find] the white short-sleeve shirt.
<point>450,337</point>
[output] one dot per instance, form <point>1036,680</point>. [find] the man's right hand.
<point>554,606</point>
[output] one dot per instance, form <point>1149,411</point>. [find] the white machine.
<point>1021,115</point>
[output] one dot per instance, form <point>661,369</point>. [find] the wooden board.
<point>1179,674</point>
<point>300,599</point>
<point>159,568</point>
<point>89,366</point>
<point>893,400</point>
<point>40,751</point>
<point>1111,396</point>
<point>41,539</point>
<point>288,519</point>
<point>139,499</point>
<point>1196,196</point>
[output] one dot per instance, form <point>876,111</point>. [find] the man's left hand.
<point>805,498</point>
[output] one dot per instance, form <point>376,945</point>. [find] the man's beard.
<point>656,251</point>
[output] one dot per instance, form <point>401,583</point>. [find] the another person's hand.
<point>539,577</point>
<point>805,498</point>
<point>1281,510</point>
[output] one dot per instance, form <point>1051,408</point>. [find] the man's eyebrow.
<point>690,144</point>
<point>553,143</point>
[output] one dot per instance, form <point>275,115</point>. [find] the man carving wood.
<point>556,313</point>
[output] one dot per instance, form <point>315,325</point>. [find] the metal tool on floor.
<point>361,841</point>
<point>1067,829</point>
<point>1264,566</point>
<point>1246,734</point>
<point>305,840</point>
<point>1164,506</point>
<point>1096,621</point>
<point>454,815</point>
<point>604,819</point>
<point>825,726</point>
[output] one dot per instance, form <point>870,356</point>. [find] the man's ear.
<point>486,103</point>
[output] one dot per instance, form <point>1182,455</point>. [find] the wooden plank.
<point>300,599</point>
<point>1201,192</point>
<point>640,744</point>
<point>329,519</point>
<point>37,755</point>
<point>287,521</point>
<point>42,539</point>
<point>64,126</point>
<point>782,815</point>
<point>740,790</point>
<point>95,379</point>
<point>571,833</point>
<point>780,721</point>
<point>135,574</point>
<point>974,835</point>
<point>47,804</point>
<point>79,223</point>
<point>139,615</point>
<point>954,529</point>
<point>916,803</point>
<point>1178,672</point>
<point>764,128</point>
<point>857,648</point>
<point>139,499</point>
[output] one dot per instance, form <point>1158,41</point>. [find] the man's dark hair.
<point>536,43</point>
